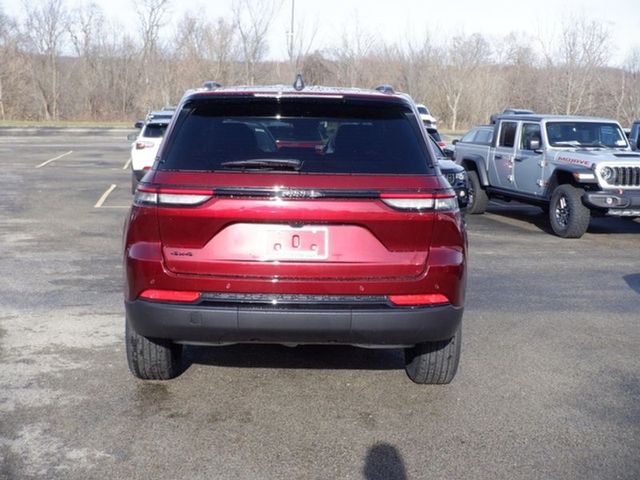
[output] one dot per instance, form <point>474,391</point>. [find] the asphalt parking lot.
<point>549,384</point>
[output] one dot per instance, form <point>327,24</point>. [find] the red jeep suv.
<point>295,216</point>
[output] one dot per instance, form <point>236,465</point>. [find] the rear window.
<point>323,135</point>
<point>485,135</point>
<point>508,134</point>
<point>434,134</point>
<point>152,130</point>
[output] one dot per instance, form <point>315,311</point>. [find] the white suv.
<point>145,148</point>
<point>426,117</point>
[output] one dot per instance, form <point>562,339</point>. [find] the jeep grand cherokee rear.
<point>239,237</point>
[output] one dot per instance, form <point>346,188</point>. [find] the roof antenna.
<point>298,85</point>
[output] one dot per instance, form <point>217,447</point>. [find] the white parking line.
<point>55,158</point>
<point>104,196</point>
<point>126,165</point>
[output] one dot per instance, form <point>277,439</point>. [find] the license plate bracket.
<point>292,243</point>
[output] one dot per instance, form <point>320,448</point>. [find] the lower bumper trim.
<point>243,324</point>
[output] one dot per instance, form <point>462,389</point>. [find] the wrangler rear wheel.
<point>478,198</point>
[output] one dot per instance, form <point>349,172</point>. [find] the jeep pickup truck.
<point>572,167</point>
<point>634,135</point>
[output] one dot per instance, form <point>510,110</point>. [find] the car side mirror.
<point>132,136</point>
<point>534,144</point>
<point>138,124</point>
<point>455,140</point>
<point>448,152</point>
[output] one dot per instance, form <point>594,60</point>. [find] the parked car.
<point>145,148</point>
<point>634,135</point>
<point>482,135</point>
<point>165,114</point>
<point>454,173</point>
<point>425,115</point>
<point>433,133</point>
<point>573,167</point>
<point>232,239</point>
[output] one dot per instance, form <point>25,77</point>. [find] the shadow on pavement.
<point>384,462</point>
<point>304,356</point>
<point>633,281</point>
<point>539,218</point>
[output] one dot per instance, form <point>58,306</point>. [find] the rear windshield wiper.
<point>265,164</point>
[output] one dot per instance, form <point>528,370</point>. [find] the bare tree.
<point>582,50</point>
<point>205,50</point>
<point>462,59</point>
<point>351,55</point>
<point>86,28</point>
<point>43,31</point>
<point>302,38</point>
<point>629,106</point>
<point>152,16</point>
<point>252,20</point>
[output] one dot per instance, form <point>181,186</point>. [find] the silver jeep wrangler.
<point>573,167</point>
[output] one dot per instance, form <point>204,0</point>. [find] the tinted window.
<point>152,130</point>
<point>326,135</point>
<point>530,131</point>
<point>508,134</point>
<point>434,134</point>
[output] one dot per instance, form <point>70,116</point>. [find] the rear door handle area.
<point>498,157</point>
<point>518,159</point>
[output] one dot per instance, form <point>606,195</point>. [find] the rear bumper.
<point>243,324</point>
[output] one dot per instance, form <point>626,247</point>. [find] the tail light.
<point>439,201</point>
<point>143,145</point>
<point>418,300</point>
<point>170,296</point>
<point>149,196</point>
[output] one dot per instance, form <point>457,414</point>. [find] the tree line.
<point>63,63</point>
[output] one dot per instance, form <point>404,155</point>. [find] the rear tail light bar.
<point>170,296</point>
<point>418,300</point>
<point>439,201</point>
<point>148,196</point>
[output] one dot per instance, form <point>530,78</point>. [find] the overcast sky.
<point>408,20</point>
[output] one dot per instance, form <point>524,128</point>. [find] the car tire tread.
<point>434,362</point>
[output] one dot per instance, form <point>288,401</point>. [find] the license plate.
<point>289,243</point>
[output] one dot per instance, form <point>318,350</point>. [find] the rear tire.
<point>152,359</point>
<point>478,198</point>
<point>568,216</point>
<point>434,362</point>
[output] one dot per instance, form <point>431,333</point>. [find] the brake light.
<point>143,145</point>
<point>440,201</point>
<point>146,196</point>
<point>170,296</point>
<point>418,300</point>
